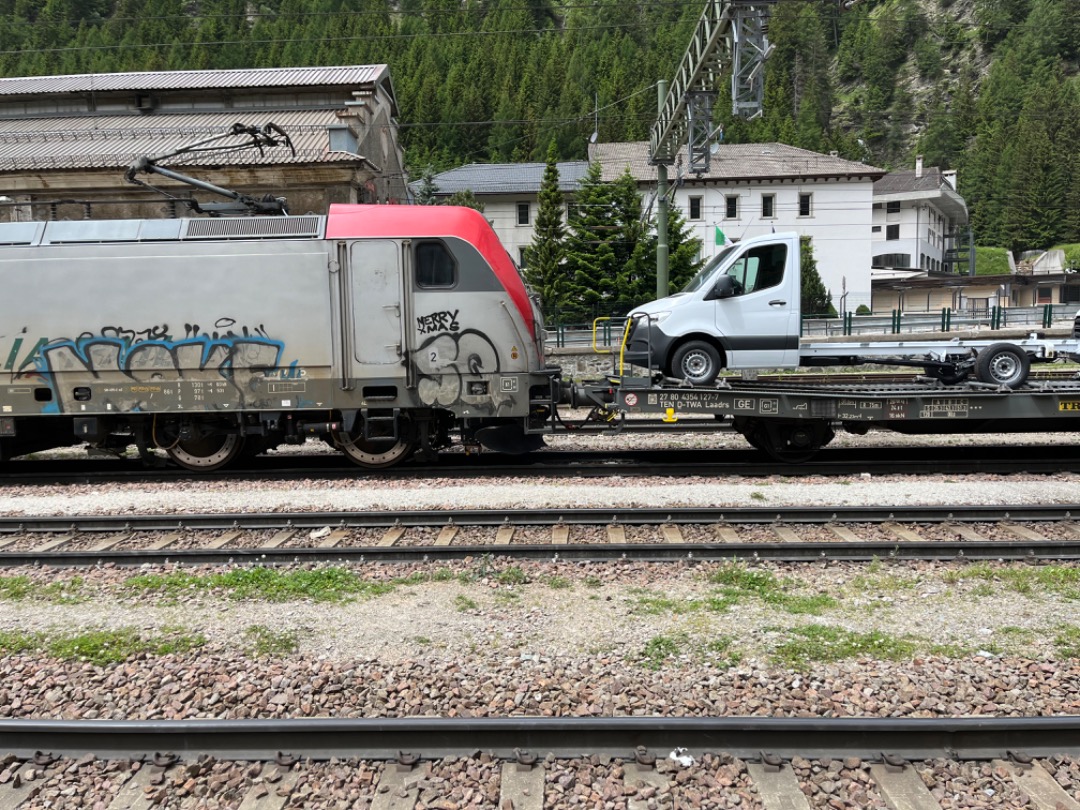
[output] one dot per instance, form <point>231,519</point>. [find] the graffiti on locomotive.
<point>231,355</point>
<point>450,359</point>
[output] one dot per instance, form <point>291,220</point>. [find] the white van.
<point>741,311</point>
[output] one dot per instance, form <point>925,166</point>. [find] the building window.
<point>521,256</point>
<point>768,206</point>
<point>434,265</point>
<point>1070,294</point>
<point>875,229</point>
<point>523,213</point>
<point>892,232</point>
<point>1044,295</point>
<point>731,206</point>
<point>695,208</point>
<point>805,204</point>
<point>892,207</point>
<point>892,260</point>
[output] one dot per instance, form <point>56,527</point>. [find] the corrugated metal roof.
<point>737,161</point>
<point>505,178</point>
<point>97,142</point>
<point>346,75</point>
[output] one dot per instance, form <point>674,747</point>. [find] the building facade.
<point>918,220</point>
<point>754,189</point>
<point>66,141</point>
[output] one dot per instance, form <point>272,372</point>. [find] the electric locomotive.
<point>386,330</point>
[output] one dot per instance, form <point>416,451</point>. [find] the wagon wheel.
<point>790,442</point>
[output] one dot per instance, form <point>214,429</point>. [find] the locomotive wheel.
<point>207,453</point>
<point>375,452</point>
<point>1003,364</point>
<point>697,362</point>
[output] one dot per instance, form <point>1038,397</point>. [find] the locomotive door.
<point>377,298</point>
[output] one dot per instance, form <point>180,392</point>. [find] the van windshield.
<point>698,281</point>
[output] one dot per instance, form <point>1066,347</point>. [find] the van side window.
<point>435,266</point>
<point>759,268</point>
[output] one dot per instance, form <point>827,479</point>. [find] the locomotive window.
<point>434,265</point>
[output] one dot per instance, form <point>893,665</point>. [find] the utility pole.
<point>730,32</point>
<point>662,286</point>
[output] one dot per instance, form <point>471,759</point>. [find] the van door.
<point>759,323</point>
<point>376,297</point>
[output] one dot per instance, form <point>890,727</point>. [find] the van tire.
<point>697,362</point>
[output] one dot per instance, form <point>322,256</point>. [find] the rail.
<point>434,738</point>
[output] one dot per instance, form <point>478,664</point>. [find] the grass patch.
<point>991,261</point>
<point>13,642</point>
<point>511,576</point>
<point>464,604</point>
<point>101,647</point>
<point>738,581</point>
<point>15,588</point>
<point>661,649</point>
<point>1024,579</point>
<point>1067,641</point>
<point>261,640</point>
<point>267,584</point>
<point>65,592</point>
<point>824,644</point>
<point>593,582</point>
<point>558,583</point>
<point>884,584</point>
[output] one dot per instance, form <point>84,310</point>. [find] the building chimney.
<point>918,165</point>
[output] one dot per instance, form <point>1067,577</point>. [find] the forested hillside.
<point>988,87</point>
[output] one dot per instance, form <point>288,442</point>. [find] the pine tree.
<point>592,265</point>
<point>427,189</point>
<point>815,299</point>
<point>544,257</point>
<point>467,199</point>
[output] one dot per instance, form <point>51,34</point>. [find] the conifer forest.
<point>987,87</point>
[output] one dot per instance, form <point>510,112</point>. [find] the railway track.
<point>1022,532</point>
<point>528,763</point>
<point>722,461</point>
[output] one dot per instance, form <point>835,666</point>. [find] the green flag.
<point>720,238</point>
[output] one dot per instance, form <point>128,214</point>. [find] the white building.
<point>917,216</point>
<point>757,188</point>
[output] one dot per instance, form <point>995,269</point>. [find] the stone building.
<point>66,141</point>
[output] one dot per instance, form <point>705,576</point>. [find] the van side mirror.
<point>723,287</point>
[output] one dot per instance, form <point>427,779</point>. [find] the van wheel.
<point>697,362</point>
<point>1003,364</point>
